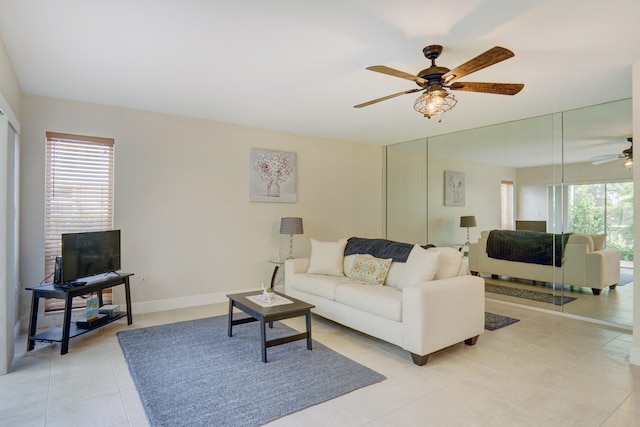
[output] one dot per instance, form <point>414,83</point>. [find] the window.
<point>506,205</point>
<point>78,192</point>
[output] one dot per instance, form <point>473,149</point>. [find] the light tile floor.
<point>546,370</point>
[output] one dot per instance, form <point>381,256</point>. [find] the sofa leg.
<point>471,341</point>
<point>613,286</point>
<point>595,291</point>
<point>420,360</point>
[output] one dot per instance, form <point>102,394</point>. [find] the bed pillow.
<point>327,257</point>
<point>370,269</point>
<point>421,266</point>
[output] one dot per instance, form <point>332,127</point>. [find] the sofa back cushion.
<point>327,257</point>
<point>598,241</point>
<point>421,266</point>
<point>449,264</point>
<point>582,239</point>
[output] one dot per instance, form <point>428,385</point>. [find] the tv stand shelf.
<point>55,334</point>
<point>69,329</point>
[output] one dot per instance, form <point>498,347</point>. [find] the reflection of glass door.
<point>605,208</point>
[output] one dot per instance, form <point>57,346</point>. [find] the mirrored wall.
<point>562,173</point>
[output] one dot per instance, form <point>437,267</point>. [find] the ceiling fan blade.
<point>492,56</point>
<point>397,73</point>
<point>605,158</point>
<point>499,88</point>
<point>384,98</point>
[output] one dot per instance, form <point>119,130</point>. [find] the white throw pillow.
<point>327,257</point>
<point>450,259</point>
<point>421,266</point>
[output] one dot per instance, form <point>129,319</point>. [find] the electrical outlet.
<point>143,277</point>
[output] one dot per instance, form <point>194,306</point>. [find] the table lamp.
<point>467,221</point>
<point>291,226</point>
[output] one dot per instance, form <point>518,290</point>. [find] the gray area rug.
<point>496,321</point>
<point>192,374</point>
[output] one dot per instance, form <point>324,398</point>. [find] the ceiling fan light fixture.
<point>434,101</point>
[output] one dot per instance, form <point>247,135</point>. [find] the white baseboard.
<point>183,302</point>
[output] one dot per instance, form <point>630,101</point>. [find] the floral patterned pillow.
<point>370,269</point>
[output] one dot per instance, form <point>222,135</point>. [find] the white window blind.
<point>78,189</point>
<point>507,220</point>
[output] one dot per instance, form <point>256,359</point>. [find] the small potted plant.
<point>268,294</point>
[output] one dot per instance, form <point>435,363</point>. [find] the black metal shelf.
<point>55,334</point>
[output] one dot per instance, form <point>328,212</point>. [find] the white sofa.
<point>418,315</point>
<point>585,263</point>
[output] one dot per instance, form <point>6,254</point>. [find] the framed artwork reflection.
<point>454,188</point>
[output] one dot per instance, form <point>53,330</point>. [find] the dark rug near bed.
<point>192,374</point>
<point>528,294</point>
<point>496,321</point>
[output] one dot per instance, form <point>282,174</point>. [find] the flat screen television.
<point>90,253</point>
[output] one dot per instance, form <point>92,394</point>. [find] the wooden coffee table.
<point>269,315</point>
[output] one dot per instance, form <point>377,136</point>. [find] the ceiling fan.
<point>626,154</point>
<point>435,81</point>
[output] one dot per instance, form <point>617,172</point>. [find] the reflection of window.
<point>78,193</point>
<point>506,205</point>
<point>604,208</point>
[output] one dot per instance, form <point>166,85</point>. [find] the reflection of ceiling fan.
<point>627,155</point>
<point>435,81</point>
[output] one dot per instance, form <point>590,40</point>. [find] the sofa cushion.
<point>598,241</point>
<point>395,271</point>
<point>449,264</point>
<point>321,285</point>
<point>582,239</point>
<point>384,301</point>
<point>327,257</point>
<point>421,266</point>
<point>369,269</point>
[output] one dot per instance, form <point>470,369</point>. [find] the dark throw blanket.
<point>527,246</point>
<point>380,248</point>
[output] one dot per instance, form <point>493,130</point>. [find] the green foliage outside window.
<point>604,208</point>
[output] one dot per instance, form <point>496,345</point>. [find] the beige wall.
<point>189,232</point>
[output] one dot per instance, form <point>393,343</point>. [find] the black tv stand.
<point>68,285</point>
<point>69,330</point>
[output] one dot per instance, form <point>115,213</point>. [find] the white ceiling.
<point>299,66</point>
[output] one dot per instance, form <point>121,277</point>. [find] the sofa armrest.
<point>441,313</point>
<point>294,266</point>
<point>603,268</point>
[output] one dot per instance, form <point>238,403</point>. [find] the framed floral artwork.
<point>272,176</point>
<point>454,188</point>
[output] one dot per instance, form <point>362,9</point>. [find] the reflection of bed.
<point>584,262</point>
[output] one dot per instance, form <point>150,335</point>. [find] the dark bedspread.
<point>380,248</point>
<point>527,246</point>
